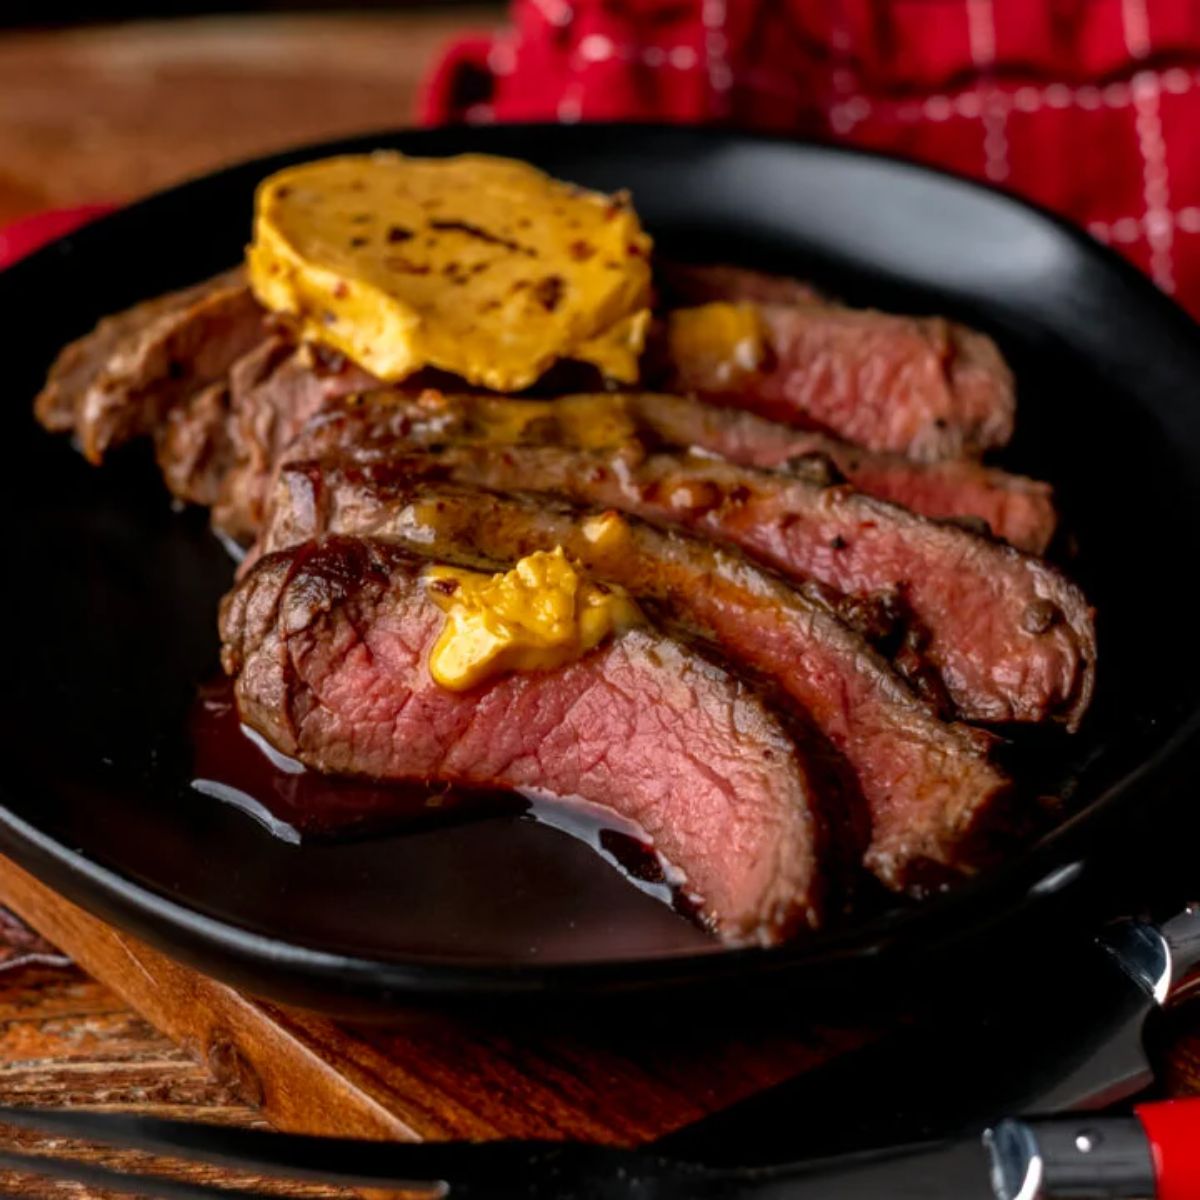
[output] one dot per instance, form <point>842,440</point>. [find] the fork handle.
<point>1152,1155</point>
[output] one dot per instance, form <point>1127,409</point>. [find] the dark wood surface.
<point>240,1059</point>
<point>110,113</point>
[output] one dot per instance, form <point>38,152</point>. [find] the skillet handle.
<point>1153,1155</point>
<point>1069,1158</point>
<point>1163,959</point>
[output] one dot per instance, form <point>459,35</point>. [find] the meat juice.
<point>233,765</point>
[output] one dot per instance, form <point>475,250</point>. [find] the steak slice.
<point>929,788</point>
<point>1011,638</point>
<point>192,445</point>
<point>1017,509</point>
<point>329,645</point>
<point>82,363</point>
<point>184,347</point>
<point>1014,508</point>
<point>275,390</point>
<point>924,387</point>
<point>693,283</point>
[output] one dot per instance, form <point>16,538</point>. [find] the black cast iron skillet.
<point>108,610</point>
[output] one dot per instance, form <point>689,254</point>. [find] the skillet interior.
<point>112,596</point>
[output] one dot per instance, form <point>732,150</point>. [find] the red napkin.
<point>1088,106</point>
<point>28,234</point>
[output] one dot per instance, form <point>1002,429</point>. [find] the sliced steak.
<point>192,445</point>
<point>692,283</point>
<point>185,346</point>
<point>1014,508</point>
<point>919,386</point>
<point>929,788</point>
<point>275,390</point>
<point>1011,638</point>
<point>329,645</point>
<point>84,362</point>
<point>1017,509</point>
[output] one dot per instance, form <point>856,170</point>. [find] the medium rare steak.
<point>122,380</point>
<point>697,283</point>
<point>920,386</point>
<point>928,786</point>
<point>1011,638</point>
<point>1017,509</point>
<point>329,646</point>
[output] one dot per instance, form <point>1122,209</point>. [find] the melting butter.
<point>590,422</point>
<point>719,343</point>
<point>541,614</point>
<point>479,265</point>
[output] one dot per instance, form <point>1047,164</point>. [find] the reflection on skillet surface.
<point>152,580</point>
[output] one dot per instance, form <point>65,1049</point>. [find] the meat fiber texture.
<point>120,382</point>
<point>1011,507</point>
<point>329,644</point>
<point>227,393</point>
<point>928,787</point>
<point>920,386</point>
<point>1011,638</point>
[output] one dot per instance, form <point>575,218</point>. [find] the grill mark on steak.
<point>924,387</point>
<point>930,789</point>
<point>329,646</point>
<point>969,596</point>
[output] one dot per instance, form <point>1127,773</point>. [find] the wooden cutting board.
<point>428,1076</point>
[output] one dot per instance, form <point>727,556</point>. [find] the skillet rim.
<point>1054,868</point>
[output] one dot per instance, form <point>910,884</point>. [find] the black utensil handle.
<point>1071,1159</point>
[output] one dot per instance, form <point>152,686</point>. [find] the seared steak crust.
<point>920,386</point>
<point>122,380</point>
<point>192,445</point>
<point>274,391</point>
<point>1016,509</point>
<point>329,645</point>
<point>83,361</point>
<point>929,787</point>
<point>1012,638</point>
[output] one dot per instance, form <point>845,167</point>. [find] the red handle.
<point>1173,1129</point>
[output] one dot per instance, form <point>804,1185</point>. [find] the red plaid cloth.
<point>1088,106</point>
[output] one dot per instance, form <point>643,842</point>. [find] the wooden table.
<point>112,112</point>
<point>109,113</point>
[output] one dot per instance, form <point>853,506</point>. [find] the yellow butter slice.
<point>541,614</point>
<point>482,266</point>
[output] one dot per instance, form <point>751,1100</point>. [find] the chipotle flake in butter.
<point>539,615</point>
<point>478,265</point>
